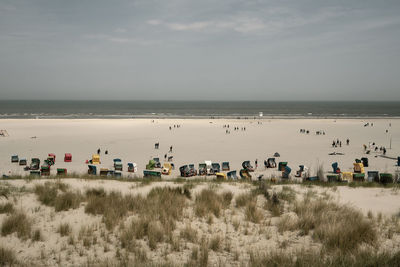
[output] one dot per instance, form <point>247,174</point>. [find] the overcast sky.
<point>200,49</point>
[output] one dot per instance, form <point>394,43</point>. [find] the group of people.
<point>374,147</point>
<point>338,143</point>
<point>105,152</point>
<point>175,126</point>
<point>227,131</point>
<point>304,131</point>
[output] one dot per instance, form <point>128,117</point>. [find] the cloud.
<point>120,30</point>
<point>196,26</point>
<point>119,40</point>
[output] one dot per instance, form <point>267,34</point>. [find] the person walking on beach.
<point>256,163</point>
<point>165,156</point>
<point>170,149</point>
<point>98,151</point>
<point>347,141</point>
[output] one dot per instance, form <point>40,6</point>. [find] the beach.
<point>80,220</point>
<point>197,140</point>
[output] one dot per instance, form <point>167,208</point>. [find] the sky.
<point>200,50</point>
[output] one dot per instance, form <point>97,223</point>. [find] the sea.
<point>22,109</point>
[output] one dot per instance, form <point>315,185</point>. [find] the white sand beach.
<point>197,140</point>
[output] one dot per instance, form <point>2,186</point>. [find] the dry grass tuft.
<point>216,243</point>
<point>189,234</point>
<point>274,205</point>
<point>64,229</point>
<point>208,201</point>
<point>252,213</point>
<point>158,213</point>
<point>6,208</point>
<point>56,194</point>
<point>338,227</point>
<point>7,257</point>
<point>17,223</point>
<point>243,199</point>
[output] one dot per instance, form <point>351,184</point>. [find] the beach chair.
<point>45,170</point>
<point>22,162</point>
<point>221,176</point>
<point>282,165</point>
<point>110,173</point>
<point>358,177</point>
<point>61,171</point>
<point>202,169</point>
<point>92,170</point>
<point>151,165</point>
<point>346,177</point>
<point>184,170</point>
<point>157,163</point>
<point>386,178</point>
<point>225,166</point>
<point>149,174</point>
<point>67,157</point>
<point>14,159</point>
<point>277,155</point>
<point>358,161</point>
<point>192,170</point>
<point>117,174</point>
<point>335,167</point>
<point>247,166</point>
<point>103,172</point>
<point>398,161</point>
<point>35,163</point>
<point>209,168</point>
<point>51,159</point>
<point>358,168</point>
<point>117,164</point>
<point>270,163</point>
<point>373,176</point>
<point>216,167</point>
<point>95,159</point>
<point>232,175</point>
<point>245,174</point>
<point>333,178</point>
<point>167,168</point>
<point>286,172</point>
<point>132,167</point>
<point>364,162</point>
<point>300,171</point>
<point>170,158</point>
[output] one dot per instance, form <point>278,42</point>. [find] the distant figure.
<point>387,131</point>
<point>165,156</point>
<point>340,144</point>
<point>170,128</point>
<point>347,141</point>
<point>170,149</point>
<point>256,163</point>
<point>384,151</point>
<point>157,145</point>
<point>98,151</point>
<point>365,147</point>
<point>106,152</point>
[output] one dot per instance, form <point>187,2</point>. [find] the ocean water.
<point>195,109</point>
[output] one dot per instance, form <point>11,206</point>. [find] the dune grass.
<point>157,216</point>
<point>64,229</point>
<point>336,226</point>
<point>210,202</point>
<point>7,257</point>
<point>304,258</point>
<point>58,195</point>
<point>18,223</point>
<point>6,208</point>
